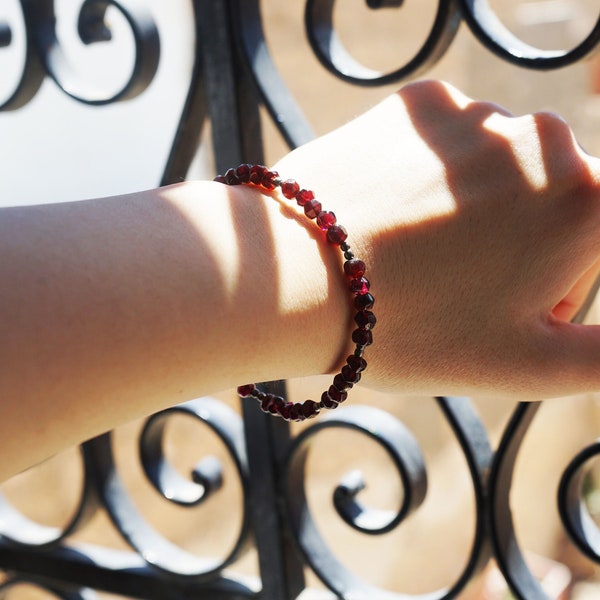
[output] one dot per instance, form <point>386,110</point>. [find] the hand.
<point>481,236</point>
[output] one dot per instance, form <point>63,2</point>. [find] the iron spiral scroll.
<point>269,461</point>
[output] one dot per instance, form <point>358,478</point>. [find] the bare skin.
<point>479,231</point>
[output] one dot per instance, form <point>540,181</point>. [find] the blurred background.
<point>55,149</point>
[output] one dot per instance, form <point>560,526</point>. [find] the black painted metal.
<point>233,75</point>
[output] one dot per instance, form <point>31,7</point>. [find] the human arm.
<point>473,225</point>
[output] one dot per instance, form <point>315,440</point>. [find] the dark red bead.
<point>366,301</point>
<point>268,179</point>
<point>336,234</point>
<point>349,375</point>
<point>285,410</point>
<point>327,401</point>
<point>243,173</point>
<point>220,179</point>
<point>360,287</point>
<point>356,363</point>
<point>341,383</point>
<point>290,188</point>
<point>304,196</point>
<point>296,413</point>
<point>362,337</point>
<point>256,174</point>
<point>245,391</point>
<point>231,177</point>
<point>365,319</point>
<point>325,220</point>
<point>354,268</point>
<point>310,409</point>
<point>312,208</point>
<point>337,395</point>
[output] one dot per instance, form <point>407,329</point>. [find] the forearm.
<point>114,308</point>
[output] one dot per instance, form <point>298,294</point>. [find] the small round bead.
<point>310,409</point>
<point>336,234</point>
<point>341,383</point>
<point>328,402</point>
<point>296,412</point>
<point>304,196</point>
<point>365,319</point>
<point>364,302</point>
<point>362,337</point>
<point>243,173</point>
<point>337,395</point>
<point>325,220</point>
<point>245,391</point>
<point>348,255</point>
<point>349,375</point>
<point>290,188</point>
<point>360,286</point>
<point>231,177</point>
<point>356,363</point>
<point>256,174</point>
<point>268,179</point>
<point>312,208</point>
<point>354,268</point>
<point>359,351</point>
<point>285,410</point>
<point>220,179</point>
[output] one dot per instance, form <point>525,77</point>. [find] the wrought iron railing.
<point>233,77</point>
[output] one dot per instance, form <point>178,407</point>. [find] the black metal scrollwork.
<point>44,55</point>
<point>151,545</point>
<point>407,459</point>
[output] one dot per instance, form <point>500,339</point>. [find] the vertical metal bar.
<point>233,105</point>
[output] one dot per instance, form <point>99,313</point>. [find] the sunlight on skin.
<point>530,158</point>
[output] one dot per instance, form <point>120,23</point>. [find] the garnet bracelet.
<point>354,270</point>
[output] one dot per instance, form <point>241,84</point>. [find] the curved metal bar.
<point>277,99</point>
<point>572,508</point>
<point>18,529</point>
<point>335,58</point>
<point>492,33</point>
<point>406,456</point>
<point>506,548</point>
<point>92,29</point>
<point>33,72</point>
<point>151,545</point>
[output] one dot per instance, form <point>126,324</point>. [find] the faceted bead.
<point>268,179</point>
<point>354,268</point>
<point>337,395</point>
<point>363,302</point>
<point>365,319</point>
<point>325,220</point>
<point>356,363</point>
<point>243,173</point>
<point>360,286</point>
<point>245,391</point>
<point>231,177</point>
<point>296,412</point>
<point>290,188</point>
<point>327,401</point>
<point>336,234</point>
<point>362,337</point>
<point>220,179</point>
<point>312,208</point>
<point>256,174</point>
<point>285,410</point>
<point>304,196</point>
<point>341,383</point>
<point>310,409</point>
<point>349,375</point>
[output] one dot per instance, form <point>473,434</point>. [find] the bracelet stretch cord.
<point>354,270</point>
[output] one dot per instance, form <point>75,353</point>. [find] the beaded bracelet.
<point>354,269</point>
